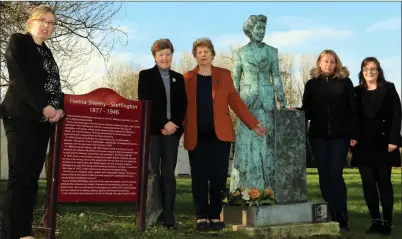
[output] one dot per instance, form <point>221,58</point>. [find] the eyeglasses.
<point>372,70</point>
<point>44,21</point>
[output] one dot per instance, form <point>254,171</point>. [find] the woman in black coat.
<point>165,89</point>
<point>33,100</point>
<point>330,105</point>
<point>377,150</point>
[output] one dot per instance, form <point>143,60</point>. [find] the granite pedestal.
<point>289,167</point>
<point>293,216</point>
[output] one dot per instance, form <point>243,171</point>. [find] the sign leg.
<point>142,195</point>
<point>52,185</point>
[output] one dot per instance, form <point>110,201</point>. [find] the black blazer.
<point>385,120</point>
<point>151,87</point>
<point>26,96</point>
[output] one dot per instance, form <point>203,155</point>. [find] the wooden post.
<point>52,182</point>
<point>48,171</point>
<point>143,180</point>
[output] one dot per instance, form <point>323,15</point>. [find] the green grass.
<point>117,220</point>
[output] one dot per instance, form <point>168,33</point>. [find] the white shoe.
<point>28,237</point>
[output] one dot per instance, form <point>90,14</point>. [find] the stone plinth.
<point>256,216</point>
<point>287,221</point>
<point>278,161</point>
<point>289,174</point>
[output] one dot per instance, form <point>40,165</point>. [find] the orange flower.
<point>254,193</point>
<point>235,194</point>
<point>267,192</point>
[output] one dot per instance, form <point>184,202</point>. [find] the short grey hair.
<point>203,42</point>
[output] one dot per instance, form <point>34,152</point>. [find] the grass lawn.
<point>117,221</point>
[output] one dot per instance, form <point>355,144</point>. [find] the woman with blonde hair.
<point>33,101</point>
<point>330,106</point>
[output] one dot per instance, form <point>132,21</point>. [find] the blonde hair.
<point>341,71</point>
<point>37,12</point>
<point>203,42</point>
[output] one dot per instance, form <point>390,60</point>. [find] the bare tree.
<point>84,30</point>
<point>122,78</point>
<point>226,59</point>
<point>184,62</point>
<point>286,68</point>
<point>306,63</point>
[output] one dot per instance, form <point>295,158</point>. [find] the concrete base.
<point>256,216</point>
<point>292,231</point>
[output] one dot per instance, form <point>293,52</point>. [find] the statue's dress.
<point>254,155</point>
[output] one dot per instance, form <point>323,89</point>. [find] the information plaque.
<point>99,153</point>
<point>100,147</point>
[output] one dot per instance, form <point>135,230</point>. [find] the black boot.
<point>332,217</point>
<point>386,228</point>
<point>376,227</point>
<point>342,219</point>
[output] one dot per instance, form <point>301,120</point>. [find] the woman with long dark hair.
<point>377,150</point>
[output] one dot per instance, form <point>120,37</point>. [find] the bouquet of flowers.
<point>250,197</point>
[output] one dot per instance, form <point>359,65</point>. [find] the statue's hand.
<point>282,102</point>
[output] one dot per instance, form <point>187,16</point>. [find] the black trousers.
<point>27,146</point>
<point>377,185</point>
<point>209,162</point>
<point>162,166</point>
<point>330,156</point>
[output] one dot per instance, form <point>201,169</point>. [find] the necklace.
<point>208,74</point>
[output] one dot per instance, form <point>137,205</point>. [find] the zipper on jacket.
<point>329,115</point>
<point>329,123</point>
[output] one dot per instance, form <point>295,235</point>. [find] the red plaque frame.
<point>99,153</point>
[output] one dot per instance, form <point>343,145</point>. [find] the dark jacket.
<point>379,126</point>
<point>151,87</point>
<point>330,105</point>
<point>26,96</point>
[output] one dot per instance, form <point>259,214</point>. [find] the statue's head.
<point>254,27</point>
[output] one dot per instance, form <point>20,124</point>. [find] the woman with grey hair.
<point>208,132</point>
<point>258,62</point>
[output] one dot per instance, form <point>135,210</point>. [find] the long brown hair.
<point>340,71</point>
<point>380,78</point>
